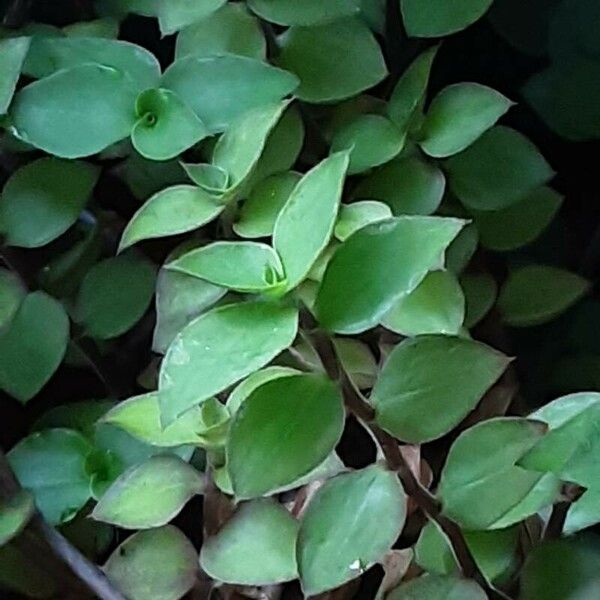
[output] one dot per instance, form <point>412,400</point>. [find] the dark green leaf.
<point>159,563</point>
<point>15,513</point>
<point>282,431</point>
<point>333,61</point>
<point>257,546</point>
<point>114,296</point>
<point>33,346</point>
<point>51,464</point>
<point>12,54</point>
<point>436,18</point>
<point>219,348</point>
<point>408,387</point>
<point>480,291</point>
<point>308,12</point>
<point>361,273</point>
<point>499,169</point>
<point>12,293</point>
<point>350,524</point>
<point>536,294</point>
<point>43,199</point>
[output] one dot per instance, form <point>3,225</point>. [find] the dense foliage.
<point>264,277</point>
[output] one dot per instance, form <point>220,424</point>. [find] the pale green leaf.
<point>12,55</point>
<point>438,587</point>
<point>174,15</point>
<point>357,215</point>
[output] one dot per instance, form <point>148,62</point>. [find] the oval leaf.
<point>12,55</point>
<point>257,546</point>
<point>218,349</point>
<point>438,587</point>
<point>361,273</point>
<point>350,523</point>
<point>150,494</point>
<point>282,431</point>
<point>309,12</point>
<point>408,387</point>
<point>357,215</point>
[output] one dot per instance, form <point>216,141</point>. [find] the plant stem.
<point>85,571</point>
<point>359,406</point>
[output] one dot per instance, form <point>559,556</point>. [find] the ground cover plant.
<point>297,299</point>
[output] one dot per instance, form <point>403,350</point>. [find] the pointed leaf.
<point>243,266</point>
<point>75,112</point>
<point>361,273</point>
<point>282,431</point>
<point>159,563</point>
<point>357,215</point>
<point>305,224</point>
<point>408,387</point>
<point>220,89</point>
<point>257,546</point>
<point>33,346</point>
<point>12,55</point>
<point>218,349</point>
<point>150,494</point>
<point>350,524</point>
<point>459,115</point>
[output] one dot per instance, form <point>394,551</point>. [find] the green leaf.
<point>51,465</point>
<point>218,349</point>
<point>282,431</point>
<point>333,61</point>
<point>480,292</point>
<point>172,211</point>
<point>372,141</point>
<point>150,494</point>
<point>229,30</point>
<point>438,587</point>
<point>257,379</point>
<point>12,293</point>
<point>48,55</point>
<point>357,215</point>
<point>459,115</point>
<point>358,361</point>
<point>75,112</point>
<point>462,249</point>
<point>408,387</point>
<point>570,449</point>
<point>361,272</point>
<point>177,14</point>
<point>564,569</point>
<point>180,299</point>
<point>43,199</point>
<point>166,126</point>
<point>584,513</point>
<point>306,221</point>
<point>12,55</point>
<point>437,305</point>
<point>210,178</point>
<point>15,513</point>
<point>434,552</point>
<point>283,146</point>
<point>519,224</point>
<point>159,563</point>
<point>140,416</point>
<point>257,546</point>
<point>107,28</point>
<point>219,89</point>
<point>407,99</point>
<point>32,346</point>
<point>480,482</point>
<point>536,294</point>
<point>498,170</point>
<point>239,149</point>
<point>259,212</point>
<point>309,12</point>
<point>147,177</point>
<point>243,266</point>
<point>350,524</point>
<point>114,296</point>
<point>436,18</point>
<point>409,186</point>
